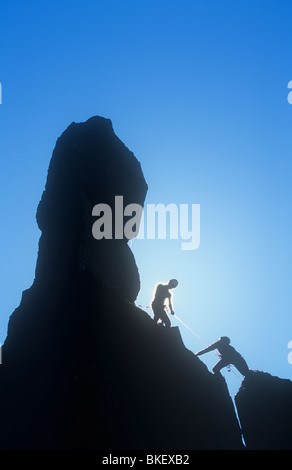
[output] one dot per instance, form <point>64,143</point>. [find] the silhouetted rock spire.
<point>90,165</point>
<point>83,367</point>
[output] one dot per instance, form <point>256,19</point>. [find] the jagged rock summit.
<point>90,165</point>
<point>264,404</point>
<point>83,367</point>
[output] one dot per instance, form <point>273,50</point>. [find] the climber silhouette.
<point>228,355</point>
<point>158,303</point>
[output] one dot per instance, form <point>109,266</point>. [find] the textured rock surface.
<point>83,367</point>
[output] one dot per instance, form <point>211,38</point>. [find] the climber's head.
<point>225,339</point>
<point>172,283</point>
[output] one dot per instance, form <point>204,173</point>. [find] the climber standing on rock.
<point>162,293</point>
<point>228,355</point>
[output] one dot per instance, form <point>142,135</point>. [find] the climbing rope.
<point>230,368</point>
<point>185,325</point>
<point>192,331</point>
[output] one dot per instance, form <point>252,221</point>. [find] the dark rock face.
<point>83,367</point>
<point>90,165</point>
<point>264,405</point>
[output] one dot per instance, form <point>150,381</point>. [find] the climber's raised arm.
<point>208,349</point>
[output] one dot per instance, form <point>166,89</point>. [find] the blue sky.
<point>198,91</point>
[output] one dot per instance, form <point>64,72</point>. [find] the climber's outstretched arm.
<point>209,348</point>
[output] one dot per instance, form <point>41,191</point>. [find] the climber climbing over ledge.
<point>158,303</point>
<point>228,355</point>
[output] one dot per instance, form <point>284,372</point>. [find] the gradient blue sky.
<point>198,91</point>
